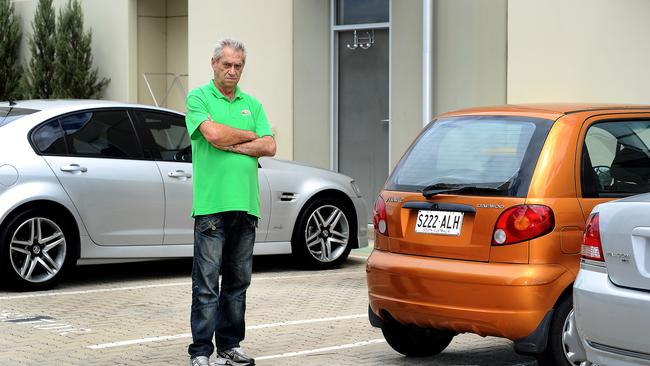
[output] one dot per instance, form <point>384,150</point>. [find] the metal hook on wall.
<point>364,42</point>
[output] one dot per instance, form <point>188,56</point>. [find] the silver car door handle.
<point>179,174</point>
<point>74,168</point>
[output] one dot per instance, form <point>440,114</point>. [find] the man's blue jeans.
<point>223,242</point>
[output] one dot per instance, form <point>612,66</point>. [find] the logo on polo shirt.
<point>245,112</point>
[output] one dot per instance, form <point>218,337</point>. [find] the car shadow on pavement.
<point>168,269</point>
<point>125,274</point>
<point>128,272</point>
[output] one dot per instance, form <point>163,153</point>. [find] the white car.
<point>95,182</point>
<point>611,295</point>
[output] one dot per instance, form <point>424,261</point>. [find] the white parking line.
<point>188,335</point>
<point>139,341</point>
<point>41,323</point>
<point>81,292</point>
<point>364,257</point>
<point>186,283</point>
<point>319,350</point>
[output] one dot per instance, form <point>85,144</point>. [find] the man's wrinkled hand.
<point>230,148</point>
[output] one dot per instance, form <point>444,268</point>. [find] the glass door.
<point>362,122</point>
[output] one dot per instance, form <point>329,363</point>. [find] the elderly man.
<point>229,131</point>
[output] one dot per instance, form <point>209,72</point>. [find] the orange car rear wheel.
<point>556,353</point>
<point>413,341</point>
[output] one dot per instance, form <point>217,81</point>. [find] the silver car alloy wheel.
<point>327,233</point>
<point>573,350</point>
<point>37,250</point>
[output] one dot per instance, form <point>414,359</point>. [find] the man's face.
<point>228,69</point>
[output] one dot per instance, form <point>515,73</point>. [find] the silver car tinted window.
<point>169,134</point>
<point>49,139</point>
<point>101,134</point>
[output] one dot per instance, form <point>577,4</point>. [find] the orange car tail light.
<point>591,245</point>
<point>521,223</point>
<point>379,216</point>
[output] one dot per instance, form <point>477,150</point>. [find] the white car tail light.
<point>592,248</point>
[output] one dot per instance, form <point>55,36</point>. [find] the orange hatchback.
<point>479,227</point>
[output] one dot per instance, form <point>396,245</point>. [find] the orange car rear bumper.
<point>495,299</point>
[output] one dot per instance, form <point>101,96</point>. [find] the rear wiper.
<point>439,188</point>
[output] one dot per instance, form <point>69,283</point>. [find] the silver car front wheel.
<point>324,234</point>
<point>35,249</point>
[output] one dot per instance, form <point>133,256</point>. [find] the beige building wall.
<point>25,10</point>
<point>113,26</point>
<point>578,51</point>
<point>469,53</point>
<point>311,82</point>
<point>176,54</point>
<point>266,29</point>
<point>162,53</point>
<point>114,44</point>
<point>406,76</point>
<point>152,46</point>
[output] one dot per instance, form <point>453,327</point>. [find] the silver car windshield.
<point>484,151</point>
<point>10,114</point>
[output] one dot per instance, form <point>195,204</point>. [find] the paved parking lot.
<point>138,314</point>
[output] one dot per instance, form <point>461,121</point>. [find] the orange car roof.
<point>545,110</point>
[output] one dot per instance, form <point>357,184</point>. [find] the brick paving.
<point>101,305</point>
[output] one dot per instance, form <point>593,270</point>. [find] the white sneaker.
<point>200,361</point>
<point>234,357</point>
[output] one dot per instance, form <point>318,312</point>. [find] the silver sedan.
<point>612,291</point>
<point>84,182</point>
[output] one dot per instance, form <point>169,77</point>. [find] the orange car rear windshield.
<point>484,151</point>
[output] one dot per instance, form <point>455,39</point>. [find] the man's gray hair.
<point>231,43</point>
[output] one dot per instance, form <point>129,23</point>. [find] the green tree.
<point>10,69</point>
<point>39,77</point>
<point>74,76</point>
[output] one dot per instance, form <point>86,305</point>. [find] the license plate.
<point>439,222</point>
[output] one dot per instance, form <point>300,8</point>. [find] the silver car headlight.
<point>356,189</point>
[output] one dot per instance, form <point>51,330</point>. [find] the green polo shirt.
<point>223,180</point>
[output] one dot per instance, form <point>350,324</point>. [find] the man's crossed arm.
<point>235,140</point>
